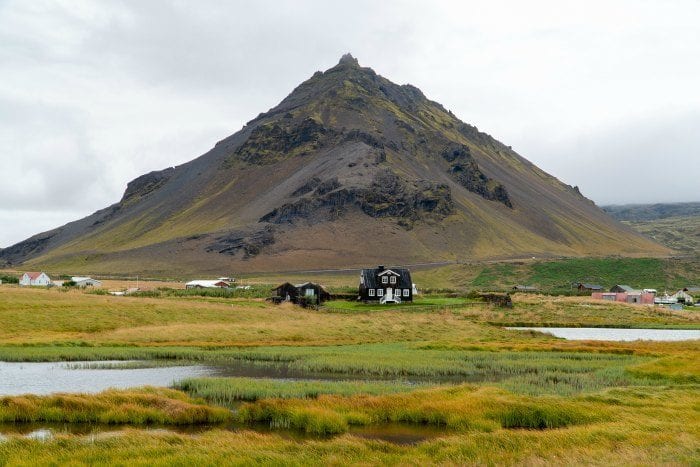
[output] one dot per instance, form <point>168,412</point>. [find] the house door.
<point>389,294</point>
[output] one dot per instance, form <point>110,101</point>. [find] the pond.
<point>43,378</point>
<point>616,334</point>
<point>49,377</point>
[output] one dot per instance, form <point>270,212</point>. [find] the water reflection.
<point>394,433</point>
<point>616,334</point>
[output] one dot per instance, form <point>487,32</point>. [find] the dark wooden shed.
<point>309,292</point>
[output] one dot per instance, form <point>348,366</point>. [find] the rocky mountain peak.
<point>348,60</point>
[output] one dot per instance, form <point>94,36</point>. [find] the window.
<point>397,292</point>
<point>380,292</point>
<point>309,292</point>
<point>371,292</point>
<point>385,280</point>
<point>406,292</point>
<point>393,279</point>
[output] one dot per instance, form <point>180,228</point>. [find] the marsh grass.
<point>136,407</point>
<point>230,391</point>
<point>524,372</point>
<point>461,407</point>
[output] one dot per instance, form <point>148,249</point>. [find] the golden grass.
<point>464,407</point>
<point>142,406</point>
<point>40,316</point>
<point>640,427</point>
<point>633,425</point>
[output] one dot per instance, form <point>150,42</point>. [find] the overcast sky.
<point>603,95</point>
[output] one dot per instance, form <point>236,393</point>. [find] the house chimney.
<point>380,267</point>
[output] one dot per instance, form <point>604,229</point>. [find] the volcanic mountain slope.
<point>350,169</point>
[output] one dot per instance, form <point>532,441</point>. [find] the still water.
<point>46,378</point>
<point>616,334</point>
<point>394,433</point>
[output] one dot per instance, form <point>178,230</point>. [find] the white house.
<point>86,281</point>
<point>683,296</point>
<point>205,284</point>
<point>35,278</point>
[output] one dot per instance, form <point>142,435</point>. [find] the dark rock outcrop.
<point>466,172</point>
<point>270,141</point>
<point>145,184</point>
<point>31,247</point>
<point>387,196</point>
<point>251,244</point>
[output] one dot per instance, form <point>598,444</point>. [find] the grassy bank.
<point>135,407</point>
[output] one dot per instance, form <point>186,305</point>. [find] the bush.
<point>7,279</point>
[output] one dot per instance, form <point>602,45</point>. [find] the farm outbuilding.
<point>86,282</point>
<point>583,287</point>
<point>686,295</point>
<point>309,291</point>
<point>207,284</point>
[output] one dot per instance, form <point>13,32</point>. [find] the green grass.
<point>556,276</point>
<point>523,372</point>
<point>421,302</point>
<point>228,391</point>
<point>636,272</point>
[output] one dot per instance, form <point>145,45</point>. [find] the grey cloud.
<point>656,159</point>
<point>93,94</point>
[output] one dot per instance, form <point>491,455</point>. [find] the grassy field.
<point>552,276</point>
<point>500,396</point>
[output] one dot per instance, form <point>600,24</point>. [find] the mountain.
<point>650,212</point>
<point>348,170</point>
<point>675,225</point>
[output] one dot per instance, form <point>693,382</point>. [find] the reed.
<point>229,391</point>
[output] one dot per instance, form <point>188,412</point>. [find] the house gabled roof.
<point>33,275</point>
<point>368,277</point>
<point>626,288</point>
<point>312,284</point>
<point>388,271</point>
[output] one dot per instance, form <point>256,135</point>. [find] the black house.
<point>313,293</point>
<point>385,285</point>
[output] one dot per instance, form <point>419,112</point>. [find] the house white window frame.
<point>406,292</point>
<point>309,292</point>
<point>392,279</point>
<point>385,280</point>
<point>370,292</point>
<point>380,292</point>
<point>397,292</point>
